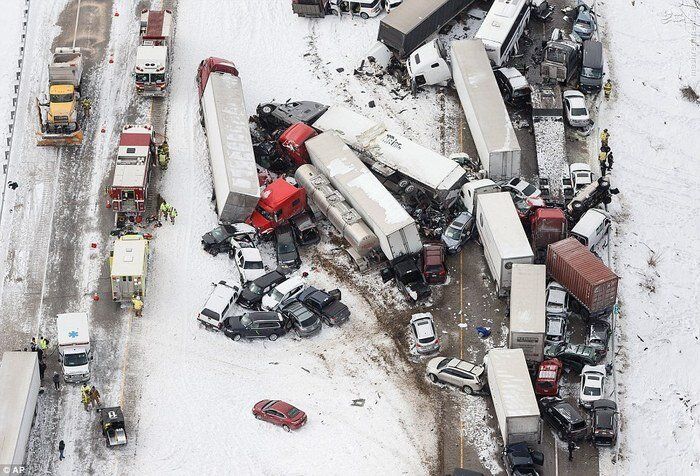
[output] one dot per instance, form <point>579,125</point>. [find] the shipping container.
<point>513,396</point>
<point>584,275</point>
<point>527,311</point>
<point>488,119</point>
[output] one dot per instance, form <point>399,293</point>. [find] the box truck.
<point>513,396</point>
<point>19,390</point>
<point>395,157</point>
<point>396,230</point>
<point>225,120</point>
<point>527,311</point>
<point>405,29</point>
<point>489,123</point>
<point>584,275</point>
<point>74,346</point>
<point>502,236</point>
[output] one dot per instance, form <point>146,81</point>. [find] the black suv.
<point>326,305</point>
<point>521,459</point>
<point>564,418</point>
<point>219,239</point>
<point>409,278</point>
<point>256,325</point>
<point>305,322</point>
<point>305,230</point>
<point>604,422</point>
<point>285,244</point>
<point>253,291</point>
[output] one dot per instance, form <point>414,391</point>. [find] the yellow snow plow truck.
<point>59,113</point>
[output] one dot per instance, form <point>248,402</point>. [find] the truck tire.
<point>273,337</point>
<point>236,337</point>
<point>364,16</point>
<point>604,184</point>
<point>266,109</point>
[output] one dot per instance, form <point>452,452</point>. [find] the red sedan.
<point>280,413</point>
<point>547,383</point>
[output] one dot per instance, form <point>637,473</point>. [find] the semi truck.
<point>60,114</point>
<point>324,198</point>
<point>527,311</point>
<point>547,225</point>
<point>400,161</point>
<point>128,264</point>
<point>561,58</point>
<point>584,275</point>
<point>488,119</point>
<point>136,154</point>
<point>405,29</point>
<point>396,230</point>
<point>225,121</point>
<point>154,53</point>
<point>502,236</point>
<point>550,143</point>
<point>19,390</point>
<point>73,336</point>
<point>279,202</point>
<point>472,189</point>
<point>513,396</point>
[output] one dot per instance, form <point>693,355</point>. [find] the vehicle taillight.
<point>418,344</point>
<point>442,272</point>
<point>219,325</point>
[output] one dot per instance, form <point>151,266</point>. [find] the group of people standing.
<point>89,396</point>
<point>605,156</point>
<point>167,211</point>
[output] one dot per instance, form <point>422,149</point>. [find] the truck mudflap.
<point>48,139</point>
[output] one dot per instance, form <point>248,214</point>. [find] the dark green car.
<point>573,356</point>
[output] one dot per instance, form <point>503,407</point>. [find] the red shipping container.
<point>583,274</point>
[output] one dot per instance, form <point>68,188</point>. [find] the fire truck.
<point>153,56</point>
<point>129,190</point>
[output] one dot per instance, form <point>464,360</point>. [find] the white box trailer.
<point>19,390</point>
<point>488,119</point>
<point>73,336</point>
<point>396,230</point>
<point>233,167</point>
<point>527,311</point>
<point>389,154</point>
<point>502,236</point>
<point>513,396</point>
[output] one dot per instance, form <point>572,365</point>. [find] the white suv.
<point>219,302</point>
<point>457,372</point>
<point>283,293</point>
<point>249,263</point>
<point>581,175</point>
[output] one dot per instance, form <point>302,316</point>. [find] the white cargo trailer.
<point>513,396</point>
<point>502,236</point>
<point>527,311</point>
<point>396,230</point>
<point>486,113</point>
<point>233,167</point>
<point>19,390</point>
<point>395,157</point>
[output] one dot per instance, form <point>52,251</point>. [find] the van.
<point>592,228</point>
<point>73,336</point>
<point>591,78</point>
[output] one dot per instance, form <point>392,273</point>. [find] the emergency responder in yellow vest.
<point>138,305</point>
<point>604,137</point>
<point>87,104</point>
<point>164,210</point>
<point>607,88</point>
<point>173,214</point>
<point>163,156</point>
<point>85,396</point>
<point>602,158</point>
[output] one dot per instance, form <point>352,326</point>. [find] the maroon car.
<point>280,413</point>
<point>547,381</point>
<point>433,263</point>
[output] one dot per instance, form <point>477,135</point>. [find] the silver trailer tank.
<point>331,203</point>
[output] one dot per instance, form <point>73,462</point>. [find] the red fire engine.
<point>129,190</point>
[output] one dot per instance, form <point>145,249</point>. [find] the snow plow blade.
<point>76,138</point>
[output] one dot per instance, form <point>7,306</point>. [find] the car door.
<point>273,416</point>
<point>448,376</point>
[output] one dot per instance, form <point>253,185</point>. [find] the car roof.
<point>568,411</point>
<point>424,327</point>
<point>466,366</point>
<point>250,254</point>
<point>269,278</point>
<point>579,167</point>
<point>515,78</point>
<point>263,316</point>
<point>221,295</point>
<point>280,406</point>
<point>290,283</point>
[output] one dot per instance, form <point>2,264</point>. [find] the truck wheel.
<point>273,337</point>
<point>468,390</point>
<point>364,16</point>
<point>432,378</point>
<point>236,337</point>
<point>266,109</point>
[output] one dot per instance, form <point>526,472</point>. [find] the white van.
<point>218,304</point>
<point>74,346</point>
<point>592,228</point>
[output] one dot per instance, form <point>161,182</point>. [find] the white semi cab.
<point>592,227</point>
<point>488,119</point>
<point>389,154</point>
<point>513,396</point>
<point>428,65</point>
<point>19,390</point>
<point>471,190</point>
<point>74,346</point>
<point>527,311</point>
<point>154,53</point>
<point>502,236</point>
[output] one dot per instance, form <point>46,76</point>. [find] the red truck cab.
<point>547,382</point>
<point>213,65</point>
<point>292,145</point>
<point>547,226</point>
<point>279,202</point>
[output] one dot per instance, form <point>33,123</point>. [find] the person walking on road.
<point>61,449</point>
<point>32,345</point>
<point>604,137</point>
<point>602,159</point>
<point>607,88</point>
<point>173,214</point>
<point>95,397</point>
<point>138,305</point>
<point>164,210</point>
<point>43,343</point>
<point>42,369</point>
<point>85,396</point>
<point>87,104</point>
<point>572,447</point>
<point>56,381</point>
<point>610,159</point>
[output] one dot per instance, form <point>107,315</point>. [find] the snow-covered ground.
<point>652,52</point>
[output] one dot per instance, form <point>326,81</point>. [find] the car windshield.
<point>579,425</point>
<point>591,391</point>
<point>255,289</point>
<point>529,190</point>
<point>253,265</point>
<point>454,232</point>
<point>293,412</point>
<point>307,319</point>
<point>592,73</point>
<point>219,233</point>
<point>61,98</point>
<point>75,360</point>
<point>442,363</point>
<point>546,384</point>
<point>433,268</point>
<point>285,248</point>
<point>246,321</point>
<point>579,111</point>
<point>141,77</point>
<point>158,78</point>
<point>276,295</point>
